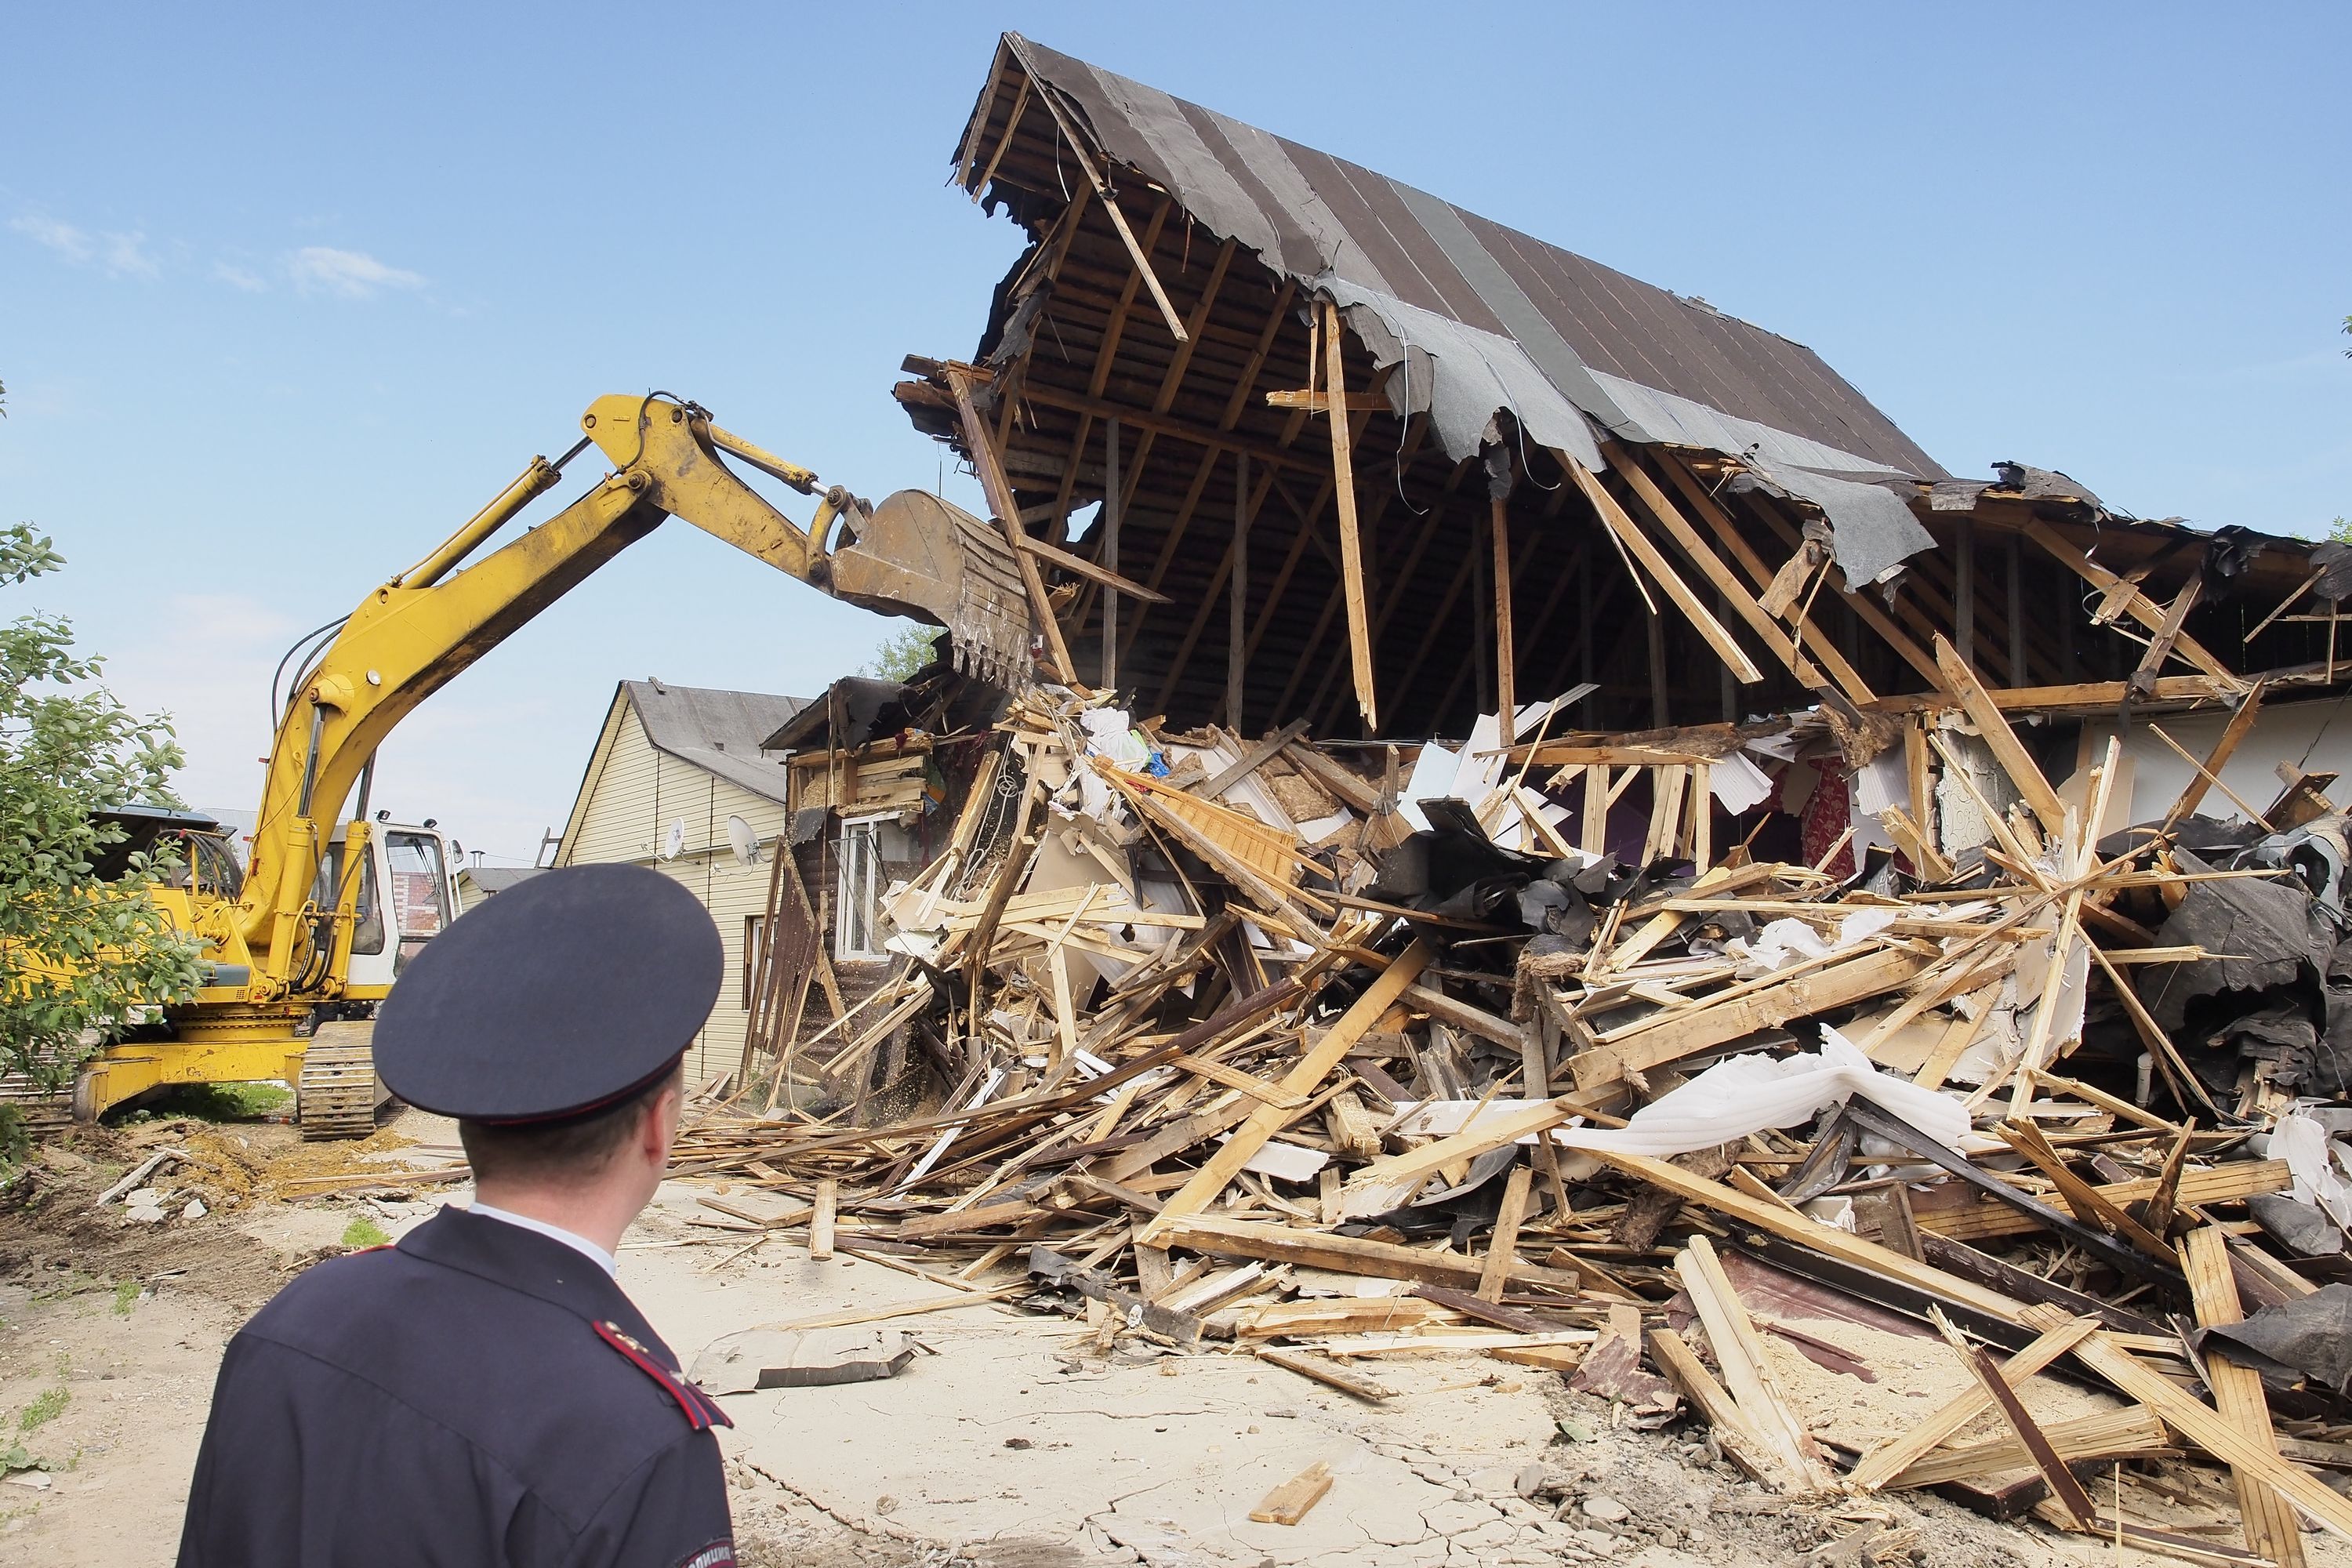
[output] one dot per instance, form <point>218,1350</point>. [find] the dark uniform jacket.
<point>480,1393</point>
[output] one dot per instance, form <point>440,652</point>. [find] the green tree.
<point>78,955</point>
<point>902,653</point>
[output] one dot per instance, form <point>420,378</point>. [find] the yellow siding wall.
<point>632,799</point>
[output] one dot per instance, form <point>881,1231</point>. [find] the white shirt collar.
<point>573,1239</point>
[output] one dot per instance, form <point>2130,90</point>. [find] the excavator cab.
<point>407,892</point>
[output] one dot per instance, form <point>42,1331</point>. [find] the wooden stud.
<point>1740,1352</point>
<point>1012,125</point>
<point>1616,519</point>
<point>1113,504</point>
<point>1351,547</point>
<point>2003,741</point>
<point>1502,1251</point>
<point>2241,724</point>
<point>2142,680</point>
<point>2136,604</point>
<point>821,1219</point>
<point>998,489</point>
<point>1238,603</point>
<point>1119,219</point>
<point>1711,566</point>
<point>2269,1524</point>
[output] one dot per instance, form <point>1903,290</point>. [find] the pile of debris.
<point>1334,1055</point>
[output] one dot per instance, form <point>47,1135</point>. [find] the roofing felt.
<point>721,731</point>
<point>1646,363</point>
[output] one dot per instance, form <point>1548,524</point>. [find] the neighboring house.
<point>671,766</point>
<point>476,883</point>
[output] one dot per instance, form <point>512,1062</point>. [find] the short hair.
<point>573,1146</point>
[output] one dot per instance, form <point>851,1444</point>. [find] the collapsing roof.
<point>1480,319</point>
<point>1553,473</point>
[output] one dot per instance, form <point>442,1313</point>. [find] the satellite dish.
<point>745,842</point>
<point>674,842</point>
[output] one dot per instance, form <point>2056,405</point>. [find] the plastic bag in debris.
<point>1789,940</point>
<point>1749,1093</point>
<point>2316,1165</point>
<point>1111,733</point>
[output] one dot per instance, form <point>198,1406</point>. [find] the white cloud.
<point>237,277</point>
<point>125,256</point>
<point>121,252</point>
<point>354,274</point>
<point>62,237</point>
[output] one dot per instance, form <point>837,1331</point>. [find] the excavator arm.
<point>913,554</point>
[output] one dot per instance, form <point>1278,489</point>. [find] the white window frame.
<point>857,888</point>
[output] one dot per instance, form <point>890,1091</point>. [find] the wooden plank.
<point>1351,788</point>
<point>2115,1433</point>
<point>1506,678</point>
<point>1259,752</point>
<point>1104,573</point>
<point>1886,1463</point>
<point>1463,1016</point>
<point>1376,1179</point>
<point>1351,547</point>
<point>1816,640</point>
<point>821,1219</point>
<point>1683,1368</point>
<point>1673,1036</point>
<point>1842,1246</point>
<point>2068,1492</point>
<point>1740,1352</point>
<point>2215,1433</point>
<point>2080,1196</point>
<point>1711,566</point>
<point>1237,599</point>
<point>981,441</point>
<point>1289,1503</point>
<point>1303,1078</point>
<point>2006,748</point>
<point>2142,680</point>
<point>2241,725</point>
<point>1350,1254</point>
<point>1118,220</point>
<point>2230,1183</point>
<point>2138,605</point>
<point>1324,1370</point>
<point>1628,532</point>
<point>2271,1527</point>
<point>1502,1251</point>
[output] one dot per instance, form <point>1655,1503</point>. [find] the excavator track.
<point>338,1092</point>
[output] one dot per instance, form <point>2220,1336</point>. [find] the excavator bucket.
<point>916,555</point>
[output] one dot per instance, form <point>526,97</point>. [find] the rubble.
<point>1331,1056</point>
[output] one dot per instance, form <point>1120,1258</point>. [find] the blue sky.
<point>287,293</point>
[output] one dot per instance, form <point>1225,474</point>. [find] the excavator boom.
<point>914,555</point>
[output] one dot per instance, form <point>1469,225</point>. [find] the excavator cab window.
<point>420,890</point>
<point>367,919</point>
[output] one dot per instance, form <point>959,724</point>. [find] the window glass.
<point>858,910</point>
<point>420,890</point>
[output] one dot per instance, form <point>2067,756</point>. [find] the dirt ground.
<point>1019,1443</point>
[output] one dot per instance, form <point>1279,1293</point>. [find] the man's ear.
<point>655,1137</point>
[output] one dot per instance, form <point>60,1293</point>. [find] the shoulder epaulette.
<point>701,1411</point>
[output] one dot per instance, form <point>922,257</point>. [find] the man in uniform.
<point>483,1393</point>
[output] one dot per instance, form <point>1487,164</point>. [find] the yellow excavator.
<point>280,997</point>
